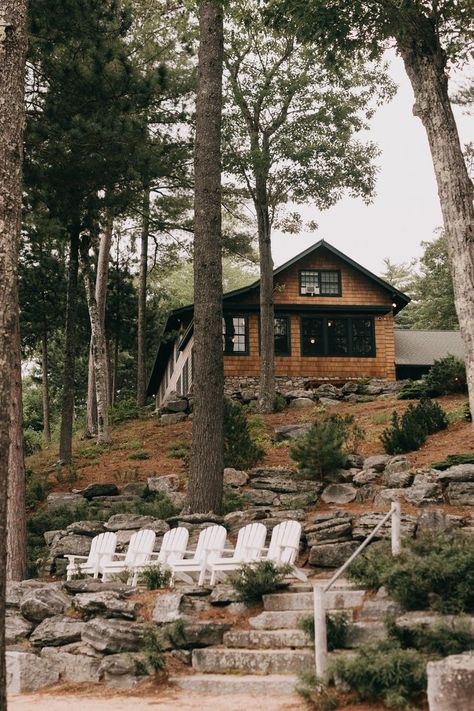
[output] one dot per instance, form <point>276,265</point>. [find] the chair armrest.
<point>72,558</point>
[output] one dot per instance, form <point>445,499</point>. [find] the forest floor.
<point>142,448</point>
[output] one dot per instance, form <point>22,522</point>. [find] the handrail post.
<point>396,525</point>
<point>320,633</point>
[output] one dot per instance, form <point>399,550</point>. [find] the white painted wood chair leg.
<point>396,526</point>
<point>320,633</point>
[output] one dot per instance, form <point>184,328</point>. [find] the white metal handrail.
<point>320,590</point>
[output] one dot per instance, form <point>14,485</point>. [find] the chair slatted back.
<point>174,544</point>
<point>102,548</point>
<point>285,542</point>
<point>211,538</point>
<point>140,547</point>
<point>250,541</point>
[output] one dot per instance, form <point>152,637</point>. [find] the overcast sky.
<point>406,208</point>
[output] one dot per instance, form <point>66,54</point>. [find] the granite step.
<point>216,660</point>
<point>336,599</point>
<point>259,686</point>
<point>266,639</point>
<point>284,620</point>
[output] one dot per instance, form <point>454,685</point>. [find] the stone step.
<point>266,639</point>
<point>215,660</point>
<point>284,620</point>
<point>337,599</point>
<point>250,684</point>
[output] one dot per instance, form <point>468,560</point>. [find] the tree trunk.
<point>16,510</point>
<point>12,62</point>
<point>207,461</point>
<point>426,69</point>
<point>267,326</point>
<point>99,350</point>
<point>45,387</point>
<point>101,299</point>
<point>142,289</point>
<point>91,404</point>
<point>67,406</point>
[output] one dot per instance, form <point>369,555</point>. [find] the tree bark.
<point>16,510</point>
<point>12,62</point>
<point>425,64</point>
<point>45,387</point>
<point>142,289</point>
<point>99,349</point>
<point>67,406</point>
<point>207,461</point>
<point>267,325</point>
<point>101,299</point>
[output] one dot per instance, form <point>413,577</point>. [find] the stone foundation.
<point>284,383</point>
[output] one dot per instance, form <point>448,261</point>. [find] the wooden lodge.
<point>333,321</point>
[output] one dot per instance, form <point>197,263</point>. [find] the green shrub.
<point>152,648</point>
<point>454,459</point>
<point>447,375</point>
<point>414,390</point>
<point>32,441</point>
<point>37,488</point>
<point>240,449</point>
<point>337,625</point>
<point>140,455</point>
<point>180,450</point>
<point>436,572</point>
<point>254,580</point>
<point>154,503</point>
<point>409,432</point>
<point>318,695</point>
<point>323,448</point>
<point>233,501</point>
<point>440,640</point>
<point>384,672</point>
<point>280,403</point>
<point>154,577</point>
<point>124,410</point>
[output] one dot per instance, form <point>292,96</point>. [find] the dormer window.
<point>320,282</point>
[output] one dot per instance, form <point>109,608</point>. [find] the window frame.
<point>287,318</point>
<point>319,272</point>
<point>349,321</point>
<point>245,352</point>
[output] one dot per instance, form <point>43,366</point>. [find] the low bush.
<point>180,450</point>
<point>32,441</point>
<point>154,577</point>
<point>140,455</point>
<point>124,410</point>
<point>440,640</point>
<point>232,501</point>
<point>414,390</point>
<point>37,488</point>
<point>240,448</point>
<point>432,572</point>
<point>409,432</point>
<point>152,648</point>
<point>454,459</point>
<point>253,580</point>
<point>446,375</point>
<point>280,403</point>
<point>324,448</point>
<point>384,672</point>
<point>337,625</point>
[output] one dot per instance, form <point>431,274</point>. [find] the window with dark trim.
<point>320,282</point>
<point>282,336</point>
<point>338,336</point>
<point>235,335</point>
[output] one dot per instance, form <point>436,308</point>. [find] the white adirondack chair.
<point>248,548</point>
<point>284,547</point>
<point>173,547</point>
<point>210,545</point>
<point>138,552</point>
<point>101,551</point>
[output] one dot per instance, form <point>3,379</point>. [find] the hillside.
<point>143,448</point>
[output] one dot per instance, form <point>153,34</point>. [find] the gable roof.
<point>185,312</point>
<point>398,296</point>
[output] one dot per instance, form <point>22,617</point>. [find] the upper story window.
<point>235,335</point>
<point>320,282</point>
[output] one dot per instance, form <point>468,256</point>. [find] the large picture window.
<point>320,282</point>
<point>282,336</point>
<point>338,337</point>
<point>235,335</point>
